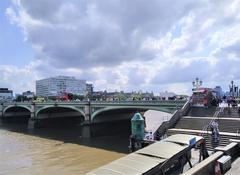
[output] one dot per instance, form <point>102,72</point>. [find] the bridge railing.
<point>143,101</point>
<point>173,121</point>
<point>186,107</point>
<point>44,103</point>
<point>102,102</point>
<point>15,103</point>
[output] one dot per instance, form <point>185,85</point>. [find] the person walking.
<point>215,134</point>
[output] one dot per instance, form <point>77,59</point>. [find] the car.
<point>39,100</point>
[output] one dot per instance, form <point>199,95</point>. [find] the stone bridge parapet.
<point>91,109</point>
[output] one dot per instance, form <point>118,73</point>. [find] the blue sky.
<point>120,45</point>
<point>13,49</point>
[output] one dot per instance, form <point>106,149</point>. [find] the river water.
<point>59,149</point>
<point>55,151</point>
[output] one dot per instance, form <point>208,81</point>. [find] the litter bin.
<point>225,163</point>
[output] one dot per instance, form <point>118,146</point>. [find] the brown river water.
<point>55,151</point>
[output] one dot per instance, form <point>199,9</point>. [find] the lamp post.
<point>231,88</point>
<point>197,83</point>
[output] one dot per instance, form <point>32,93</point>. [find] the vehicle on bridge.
<point>39,100</point>
<point>202,97</point>
<point>64,97</point>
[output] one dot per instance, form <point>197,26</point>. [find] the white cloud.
<point>133,44</point>
<point>18,79</point>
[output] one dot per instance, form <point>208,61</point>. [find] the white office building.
<point>56,86</point>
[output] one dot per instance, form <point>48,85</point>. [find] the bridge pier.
<point>33,111</point>
<point>86,130</point>
<point>32,122</point>
<point>86,125</point>
<point>1,112</point>
<point>88,112</point>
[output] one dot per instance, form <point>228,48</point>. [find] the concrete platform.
<point>155,118</point>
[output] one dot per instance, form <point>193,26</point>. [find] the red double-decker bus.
<point>63,97</point>
<point>202,97</point>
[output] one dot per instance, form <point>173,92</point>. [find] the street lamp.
<point>233,89</point>
<point>197,83</point>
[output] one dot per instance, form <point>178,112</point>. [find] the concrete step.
<point>231,112</point>
<point>202,111</point>
<point>198,123</point>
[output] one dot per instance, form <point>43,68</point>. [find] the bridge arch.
<point>96,113</point>
<point>24,108</point>
<point>45,108</point>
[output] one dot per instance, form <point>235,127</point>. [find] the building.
<point>218,91</point>
<point>89,89</point>
<point>148,96</point>
<point>167,95</point>
<point>57,86</point>
<point>6,94</point>
<point>28,94</point>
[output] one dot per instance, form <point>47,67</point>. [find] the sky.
<point>155,45</point>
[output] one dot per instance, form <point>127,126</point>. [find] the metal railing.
<point>101,102</point>
<point>173,121</point>
<point>215,116</point>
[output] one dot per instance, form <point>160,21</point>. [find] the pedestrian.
<point>228,102</point>
<point>132,146</point>
<point>215,133</point>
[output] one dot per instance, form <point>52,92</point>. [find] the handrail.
<point>178,114</point>
<point>173,120</point>
<point>165,125</point>
<point>215,116</point>
<point>203,164</point>
<point>185,107</point>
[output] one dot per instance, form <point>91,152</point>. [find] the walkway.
<point>154,119</point>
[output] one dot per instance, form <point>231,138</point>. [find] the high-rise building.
<point>6,94</point>
<point>56,86</point>
<point>89,89</point>
<point>218,91</point>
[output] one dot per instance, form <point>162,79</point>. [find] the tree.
<point>137,96</point>
<point>120,96</point>
<point>21,98</point>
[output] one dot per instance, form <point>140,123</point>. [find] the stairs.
<point>231,125</point>
<point>198,120</point>
<point>202,111</point>
<point>231,112</point>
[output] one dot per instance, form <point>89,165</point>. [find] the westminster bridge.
<point>88,112</point>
